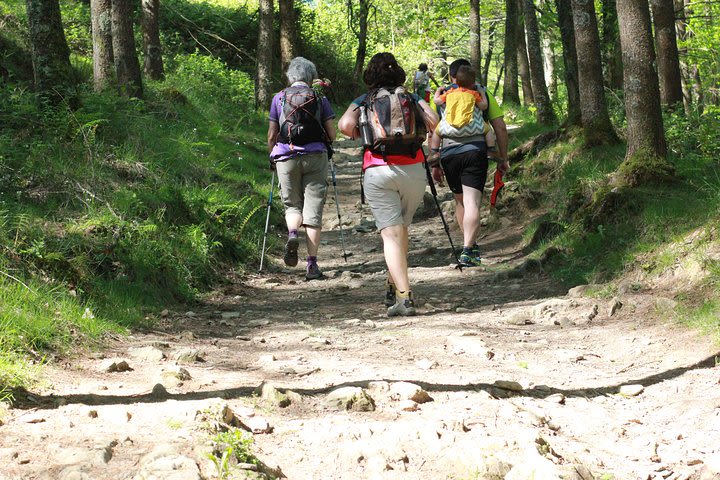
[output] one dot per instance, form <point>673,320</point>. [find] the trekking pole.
<point>267,220</point>
<point>337,207</point>
<point>433,190</point>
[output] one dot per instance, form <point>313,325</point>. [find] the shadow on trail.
<point>24,399</point>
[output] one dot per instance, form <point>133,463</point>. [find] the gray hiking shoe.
<point>313,272</point>
<point>291,251</point>
<point>402,308</point>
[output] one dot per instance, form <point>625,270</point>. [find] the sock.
<point>311,260</point>
<point>293,233</point>
<point>403,295</point>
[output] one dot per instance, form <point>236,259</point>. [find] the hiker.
<point>421,82</point>
<point>394,176</point>
<point>299,137</point>
<point>464,161</point>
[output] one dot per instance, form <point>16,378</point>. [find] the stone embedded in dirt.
<point>317,340</point>
<point>159,392</point>
<point>370,249</point>
<point>176,373</point>
<point>508,385</point>
<point>73,472</point>
<point>408,406</point>
<point>523,317</point>
<point>426,364</point>
<point>257,425</point>
<point>190,314</point>
<point>379,386</point>
<point>631,390</point>
<point>97,456</point>
<point>295,398</point>
<point>272,395</point>
<point>468,346</point>
<point>93,414</point>
<point>165,313</point>
<point>462,310</point>
<point>409,391</point>
<point>229,315</point>
<point>33,418</point>
<point>556,398</point>
<point>534,466</point>
<point>354,399</point>
<point>148,354</point>
<point>614,307</point>
<point>115,366</point>
<point>187,355</point>
<point>164,462</point>
<point>579,291</point>
<point>187,335</point>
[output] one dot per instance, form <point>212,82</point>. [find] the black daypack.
<point>300,118</point>
<point>396,122</point>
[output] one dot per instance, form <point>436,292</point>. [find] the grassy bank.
<point>111,211</point>
<point>601,231</point>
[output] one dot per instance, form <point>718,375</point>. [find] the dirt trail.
<point>524,379</point>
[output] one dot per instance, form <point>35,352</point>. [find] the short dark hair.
<point>383,71</point>
<point>465,76</point>
<point>422,67</point>
<point>455,65</point>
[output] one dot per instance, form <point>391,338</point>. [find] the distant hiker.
<point>464,160</point>
<point>421,82</point>
<point>300,132</point>
<point>394,180</point>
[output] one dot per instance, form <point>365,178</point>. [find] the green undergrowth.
<point>112,211</point>
<point>610,225</point>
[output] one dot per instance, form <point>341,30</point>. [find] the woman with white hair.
<point>301,129</point>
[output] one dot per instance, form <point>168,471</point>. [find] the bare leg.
<point>313,240</point>
<point>471,216</point>
<point>293,221</point>
<point>395,246</point>
<point>459,210</point>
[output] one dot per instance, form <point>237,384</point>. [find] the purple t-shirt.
<point>283,151</point>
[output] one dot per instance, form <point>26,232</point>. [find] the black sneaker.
<point>390,297</point>
<point>313,272</point>
<point>402,308</point>
<point>291,251</point>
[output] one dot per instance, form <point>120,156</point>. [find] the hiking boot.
<point>313,272</point>
<point>470,257</point>
<point>291,251</point>
<point>476,252</point>
<point>390,296</point>
<point>404,307</point>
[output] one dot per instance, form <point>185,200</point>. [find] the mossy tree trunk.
<point>475,46</point>
<point>681,30</point>
<point>597,129</point>
<point>545,113</point>
<point>102,44</point>
<point>548,51</point>
<point>567,36</point>
<point>489,53</point>
<point>151,39</point>
<point>263,83</point>
<point>289,44</point>
<point>50,52</point>
<point>127,65</point>
<point>510,84</point>
<point>645,132</point>
<point>612,57</point>
<point>522,58</point>
<point>668,59</point>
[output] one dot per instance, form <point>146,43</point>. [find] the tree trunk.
<point>545,113</point>
<point>288,32</point>
<point>475,52</point>
<point>612,57</point>
<point>567,36</point>
<point>681,30</point>
<point>362,39</point>
<point>697,88</point>
<point>597,129</point>
<point>523,63</point>
<point>50,52</point>
<point>102,44</point>
<point>488,54</point>
<point>548,58</point>
<point>668,60</point>
<point>151,39</point>
<point>263,82</point>
<point>127,66</point>
<point>645,134</point>
<point>510,84</point>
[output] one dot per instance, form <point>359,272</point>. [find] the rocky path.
<point>502,375</point>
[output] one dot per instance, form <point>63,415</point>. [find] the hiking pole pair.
<point>267,220</point>
<point>433,190</point>
<point>337,207</point>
